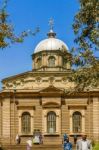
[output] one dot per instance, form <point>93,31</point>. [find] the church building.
<point>37,101</point>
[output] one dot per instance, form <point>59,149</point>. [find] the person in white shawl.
<point>18,139</point>
<point>29,144</point>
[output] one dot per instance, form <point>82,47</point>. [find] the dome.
<point>51,43</point>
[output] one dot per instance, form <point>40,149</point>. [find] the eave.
<point>38,94</point>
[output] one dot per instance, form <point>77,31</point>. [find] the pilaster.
<point>6,120</point>
<point>96,119</point>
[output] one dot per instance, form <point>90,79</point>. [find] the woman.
<point>29,144</point>
<point>18,139</point>
<point>67,144</point>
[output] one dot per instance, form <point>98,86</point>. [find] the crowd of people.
<point>35,139</point>
<point>81,144</point>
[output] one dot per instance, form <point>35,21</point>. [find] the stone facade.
<point>41,95</point>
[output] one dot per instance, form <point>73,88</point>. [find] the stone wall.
<point>6,120</point>
<point>96,118</point>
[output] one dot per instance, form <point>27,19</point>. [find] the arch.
<point>51,61</point>
<point>77,122</point>
<point>26,123</point>
<point>64,62</point>
<point>51,122</point>
<point>39,62</point>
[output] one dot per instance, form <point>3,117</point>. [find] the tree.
<point>7,35</point>
<point>86,29</point>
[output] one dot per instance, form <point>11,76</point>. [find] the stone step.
<point>35,147</point>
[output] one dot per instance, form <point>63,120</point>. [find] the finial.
<point>51,34</point>
<point>51,23</point>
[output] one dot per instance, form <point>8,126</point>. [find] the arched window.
<point>51,122</point>
<point>77,121</point>
<point>39,62</point>
<point>26,123</point>
<point>64,62</point>
<point>51,61</point>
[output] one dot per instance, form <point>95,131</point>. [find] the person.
<point>40,139</point>
<point>29,144</point>
<point>65,136</point>
<point>18,139</point>
<point>67,145</point>
<point>75,138</point>
<point>84,143</point>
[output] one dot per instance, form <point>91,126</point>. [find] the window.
<point>64,62</point>
<point>26,123</point>
<point>51,122</point>
<point>39,62</point>
<point>51,61</point>
<point>77,122</point>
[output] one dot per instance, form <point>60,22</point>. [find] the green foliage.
<point>86,25</point>
<point>7,35</point>
<point>86,29</point>
<point>96,147</point>
<point>93,143</point>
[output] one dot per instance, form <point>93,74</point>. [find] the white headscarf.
<point>29,142</point>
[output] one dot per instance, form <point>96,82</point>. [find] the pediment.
<point>51,105</point>
<point>51,101</point>
<point>51,89</point>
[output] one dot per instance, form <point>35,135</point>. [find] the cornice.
<point>82,94</point>
<point>38,94</point>
<point>37,73</point>
<point>60,52</point>
<point>16,76</point>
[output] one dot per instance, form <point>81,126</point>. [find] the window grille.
<point>77,121</point>
<point>51,122</point>
<point>51,61</point>
<point>26,123</point>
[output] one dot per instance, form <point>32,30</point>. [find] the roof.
<point>51,43</point>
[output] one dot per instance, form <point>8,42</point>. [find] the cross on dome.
<point>51,33</point>
<point>51,23</point>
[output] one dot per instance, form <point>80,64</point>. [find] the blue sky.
<point>28,14</point>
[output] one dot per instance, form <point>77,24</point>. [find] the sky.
<point>29,14</point>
